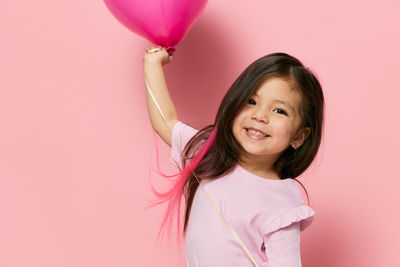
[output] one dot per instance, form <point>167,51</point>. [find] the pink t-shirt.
<point>267,215</point>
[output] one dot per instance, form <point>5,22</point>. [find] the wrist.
<point>152,68</point>
<point>151,63</point>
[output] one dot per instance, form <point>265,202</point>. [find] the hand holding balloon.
<point>157,54</point>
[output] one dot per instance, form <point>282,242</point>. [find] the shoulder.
<point>293,210</point>
<point>182,129</point>
<point>302,214</point>
<point>181,134</point>
<point>276,205</point>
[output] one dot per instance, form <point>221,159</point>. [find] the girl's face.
<point>278,120</point>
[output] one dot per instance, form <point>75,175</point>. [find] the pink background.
<point>76,141</point>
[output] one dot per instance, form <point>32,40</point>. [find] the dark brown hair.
<point>223,156</point>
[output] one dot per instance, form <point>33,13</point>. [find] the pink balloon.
<point>162,22</point>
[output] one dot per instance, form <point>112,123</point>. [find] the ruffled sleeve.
<point>302,214</point>
<point>283,247</point>
<point>181,134</point>
<point>282,237</point>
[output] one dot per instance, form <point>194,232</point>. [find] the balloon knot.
<point>170,50</point>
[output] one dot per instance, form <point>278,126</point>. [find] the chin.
<point>255,152</point>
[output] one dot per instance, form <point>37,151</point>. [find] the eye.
<point>284,112</point>
<point>251,100</point>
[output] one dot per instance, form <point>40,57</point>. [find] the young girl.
<point>267,132</point>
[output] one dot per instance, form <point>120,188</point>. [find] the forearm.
<point>154,76</point>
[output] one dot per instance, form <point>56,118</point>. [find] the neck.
<point>262,167</point>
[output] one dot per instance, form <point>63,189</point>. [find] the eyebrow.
<point>281,101</point>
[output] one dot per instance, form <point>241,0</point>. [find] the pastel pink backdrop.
<point>76,141</point>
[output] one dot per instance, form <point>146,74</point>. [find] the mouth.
<point>256,134</point>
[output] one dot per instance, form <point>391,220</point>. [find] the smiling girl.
<point>267,132</point>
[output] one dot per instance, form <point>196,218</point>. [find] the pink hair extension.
<point>174,195</point>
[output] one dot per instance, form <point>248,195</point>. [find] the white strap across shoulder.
<point>212,202</point>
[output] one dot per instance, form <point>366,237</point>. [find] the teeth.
<point>256,132</point>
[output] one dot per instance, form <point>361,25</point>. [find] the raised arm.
<point>154,76</point>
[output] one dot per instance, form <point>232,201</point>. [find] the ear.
<point>300,137</point>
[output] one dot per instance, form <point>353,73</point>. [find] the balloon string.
<point>156,103</point>
<point>209,197</point>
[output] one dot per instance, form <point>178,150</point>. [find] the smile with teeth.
<point>256,133</point>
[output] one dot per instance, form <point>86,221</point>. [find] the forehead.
<point>279,90</point>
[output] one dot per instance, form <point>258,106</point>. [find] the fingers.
<point>163,55</point>
<point>154,49</point>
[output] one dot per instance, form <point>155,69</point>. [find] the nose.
<point>260,115</point>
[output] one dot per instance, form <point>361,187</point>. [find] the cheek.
<point>237,126</point>
<point>283,129</point>
<point>238,121</point>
